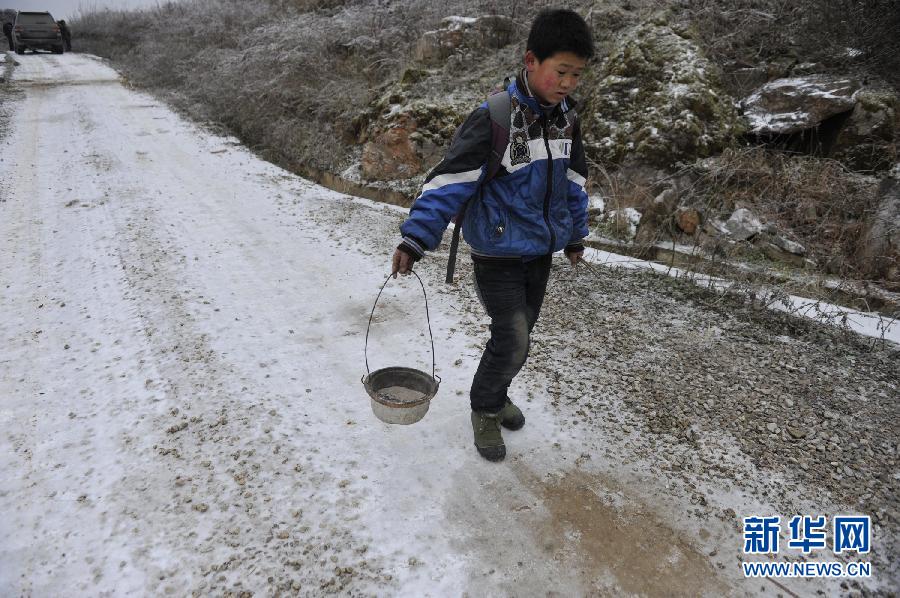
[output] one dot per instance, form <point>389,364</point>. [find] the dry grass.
<point>817,199</point>
<point>288,76</point>
<point>810,200</point>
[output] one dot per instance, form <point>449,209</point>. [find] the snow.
<point>596,202</point>
<point>776,121</point>
<point>454,23</point>
<point>676,90</point>
<point>182,249</point>
<point>180,390</point>
<point>633,216</point>
<point>865,323</point>
<point>395,110</point>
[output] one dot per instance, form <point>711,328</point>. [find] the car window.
<point>34,18</point>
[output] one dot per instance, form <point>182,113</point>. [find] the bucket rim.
<point>435,380</point>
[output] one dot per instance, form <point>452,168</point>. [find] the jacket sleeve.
<point>450,184</point>
<point>577,196</point>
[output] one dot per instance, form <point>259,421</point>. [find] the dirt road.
<point>180,406</point>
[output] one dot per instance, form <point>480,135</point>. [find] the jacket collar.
<point>519,88</point>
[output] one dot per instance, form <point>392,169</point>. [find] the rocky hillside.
<point>748,131</point>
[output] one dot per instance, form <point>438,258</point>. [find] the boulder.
<point>714,227</point>
<point>743,225</point>
<point>435,46</point>
<point>781,249</point>
<point>787,245</point>
<point>793,104</point>
<point>866,141</point>
<point>879,249</point>
<point>656,100</point>
<point>688,220</point>
<point>487,32</point>
<point>873,117</point>
<point>777,254</point>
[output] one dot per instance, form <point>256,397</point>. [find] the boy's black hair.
<point>560,30</point>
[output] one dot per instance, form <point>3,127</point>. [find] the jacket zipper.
<point>544,127</point>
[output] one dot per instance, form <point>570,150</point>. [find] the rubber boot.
<point>488,439</point>
<point>511,416</point>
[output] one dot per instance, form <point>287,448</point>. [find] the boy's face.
<point>555,77</point>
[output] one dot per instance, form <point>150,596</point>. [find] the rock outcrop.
<point>403,138</point>
<point>879,250</point>
<point>868,139</point>
<point>791,105</point>
<point>657,101</point>
<point>391,154</point>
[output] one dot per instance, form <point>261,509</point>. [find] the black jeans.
<point>512,292</point>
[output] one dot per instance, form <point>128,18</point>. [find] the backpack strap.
<point>499,107</point>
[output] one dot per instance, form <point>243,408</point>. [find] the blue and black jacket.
<point>535,205</point>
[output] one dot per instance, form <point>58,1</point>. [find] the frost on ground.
<point>181,408</point>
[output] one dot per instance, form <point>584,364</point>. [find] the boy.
<point>535,205</point>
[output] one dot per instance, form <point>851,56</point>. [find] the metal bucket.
<point>400,395</point>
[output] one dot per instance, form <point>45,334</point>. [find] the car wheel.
<point>58,50</point>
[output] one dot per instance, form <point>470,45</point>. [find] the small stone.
<point>177,428</point>
<point>796,432</point>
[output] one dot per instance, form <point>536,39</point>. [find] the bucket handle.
<point>427,317</point>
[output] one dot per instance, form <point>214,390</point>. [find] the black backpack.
<point>499,106</point>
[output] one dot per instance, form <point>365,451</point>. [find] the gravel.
<point>714,393</point>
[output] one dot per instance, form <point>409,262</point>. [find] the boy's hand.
<point>574,251</point>
<point>401,263</point>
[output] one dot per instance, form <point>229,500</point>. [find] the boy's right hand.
<point>402,263</point>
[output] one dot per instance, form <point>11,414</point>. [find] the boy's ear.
<point>531,61</point>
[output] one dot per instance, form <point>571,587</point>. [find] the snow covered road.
<point>180,399</point>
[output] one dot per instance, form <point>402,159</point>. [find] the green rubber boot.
<point>488,439</point>
<point>511,416</point>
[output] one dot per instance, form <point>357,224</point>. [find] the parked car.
<point>36,31</point>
